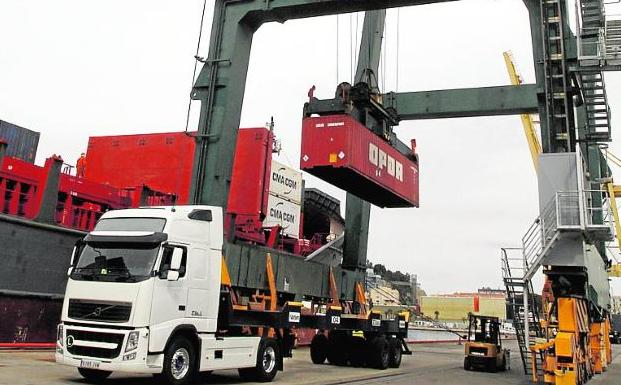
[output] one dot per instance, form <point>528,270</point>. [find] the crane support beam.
<point>465,102</point>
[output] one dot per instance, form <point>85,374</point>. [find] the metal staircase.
<point>613,42</point>
<point>599,49</point>
<point>590,19</point>
<point>525,322</point>
<point>599,36</point>
<point>539,238</point>
<point>597,109</point>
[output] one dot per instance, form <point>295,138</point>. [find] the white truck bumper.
<point>105,349</point>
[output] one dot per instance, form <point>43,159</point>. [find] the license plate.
<point>89,364</point>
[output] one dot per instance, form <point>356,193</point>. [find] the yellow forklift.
<point>484,346</point>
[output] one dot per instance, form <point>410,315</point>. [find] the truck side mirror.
<point>175,262</point>
<point>172,275</point>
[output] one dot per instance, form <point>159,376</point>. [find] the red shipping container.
<point>161,161</point>
<point>343,152</point>
<point>250,184</point>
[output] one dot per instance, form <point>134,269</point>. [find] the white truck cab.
<point>143,295</point>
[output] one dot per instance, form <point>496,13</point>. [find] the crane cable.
<point>187,117</point>
<point>196,60</point>
<point>397,53</point>
<point>337,49</point>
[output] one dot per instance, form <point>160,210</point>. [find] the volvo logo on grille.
<point>97,311</point>
<point>70,341</point>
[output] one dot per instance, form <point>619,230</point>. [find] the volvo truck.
<point>149,292</point>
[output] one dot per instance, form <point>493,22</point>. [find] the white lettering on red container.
<point>383,161</point>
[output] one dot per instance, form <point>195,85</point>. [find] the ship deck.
<point>430,364</point>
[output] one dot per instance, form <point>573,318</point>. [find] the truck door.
<point>203,290</point>
<point>169,296</point>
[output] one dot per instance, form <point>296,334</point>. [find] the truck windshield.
<point>116,263</point>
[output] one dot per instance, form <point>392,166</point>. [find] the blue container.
<point>22,142</point>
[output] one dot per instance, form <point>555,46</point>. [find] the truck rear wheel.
<point>379,352</point>
<point>319,349</point>
<point>179,362</point>
<point>394,359</point>
<point>268,359</point>
<point>93,375</point>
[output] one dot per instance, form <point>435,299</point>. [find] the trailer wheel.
<point>357,352</point>
<point>379,352</point>
<point>394,359</point>
<point>319,349</point>
<point>179,362</point>
<point>268,358</point>
<point>93,375</point>
<point>337,348</point>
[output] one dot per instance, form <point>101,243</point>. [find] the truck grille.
<point>89,351</point>
<point>95,311</point>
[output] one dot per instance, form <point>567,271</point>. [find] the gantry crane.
<point>570,167</point>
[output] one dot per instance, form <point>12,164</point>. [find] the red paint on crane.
<point>345,153</point>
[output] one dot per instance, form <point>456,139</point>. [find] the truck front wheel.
<point>179,362</point>
<point>92,375</point>
<point>268,358</point>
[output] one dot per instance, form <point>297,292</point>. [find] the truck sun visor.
<point>126,238</point>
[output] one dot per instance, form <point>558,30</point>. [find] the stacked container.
<point>284,201</point>
<point>22,142</point>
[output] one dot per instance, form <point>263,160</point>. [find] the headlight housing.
<point>59,334</point>
<point>132,341</point>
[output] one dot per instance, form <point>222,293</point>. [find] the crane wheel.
<point>319,349</point>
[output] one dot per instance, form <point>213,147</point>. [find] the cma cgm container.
<point>161,161</point>
<point>22,142</point>
<point>343,152</point>
<point>284,203</point>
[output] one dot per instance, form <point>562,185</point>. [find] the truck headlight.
<point>59,334</point>
<point>132,341</point>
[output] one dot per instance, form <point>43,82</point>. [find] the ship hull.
<point>35,258</point>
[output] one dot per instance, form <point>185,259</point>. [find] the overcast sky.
<point>74,69</point>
